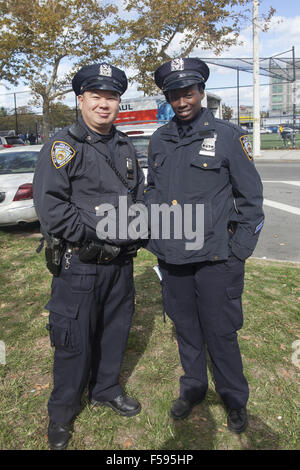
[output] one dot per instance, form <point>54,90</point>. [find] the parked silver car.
<point>17,165</point>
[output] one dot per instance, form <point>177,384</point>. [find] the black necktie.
<point>183,131</point>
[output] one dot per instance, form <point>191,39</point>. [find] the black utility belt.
<point>89,252</point>
<point>101,252</point>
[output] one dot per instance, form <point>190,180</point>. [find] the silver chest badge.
<point>105,70</point>
<point>208,146</point>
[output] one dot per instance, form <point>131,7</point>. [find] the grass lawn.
<point>274,141</point>
<point>151,369</point>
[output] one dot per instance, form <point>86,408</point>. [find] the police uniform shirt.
<point>72,179</point>
<point>211,165</point>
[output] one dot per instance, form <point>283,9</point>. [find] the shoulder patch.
<point>247,147</point>
<point>61,153</point>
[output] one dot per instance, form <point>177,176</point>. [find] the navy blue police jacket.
<point>211,167</point>
<point>72,179</point>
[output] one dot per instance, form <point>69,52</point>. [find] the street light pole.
<point>256,100</point>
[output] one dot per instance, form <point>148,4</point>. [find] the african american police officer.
<point>207,164</point>
<point>81,168</point>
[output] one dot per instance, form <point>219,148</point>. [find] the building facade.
<point>284,93</point>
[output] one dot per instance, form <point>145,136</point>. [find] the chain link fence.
<point>19,116</point>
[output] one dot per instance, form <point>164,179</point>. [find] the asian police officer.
<point>202,161</point>
<point>92,301</point>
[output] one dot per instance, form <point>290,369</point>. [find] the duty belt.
<point>99,252</point>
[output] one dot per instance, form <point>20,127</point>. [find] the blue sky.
<point>284,32</point>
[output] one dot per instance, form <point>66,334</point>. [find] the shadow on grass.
<point>200,432</point>
<point>142,324</point>
<point>22,230</point>
<point>197,432</point>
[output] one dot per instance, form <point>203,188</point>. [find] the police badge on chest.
<point>208,146</point>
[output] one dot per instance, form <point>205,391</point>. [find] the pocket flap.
<point>159,160</point>
<point>84,269</point>
<point>206,163</point>
<point>234,292</point>
<point>91,204</point>
<point>63,309</point>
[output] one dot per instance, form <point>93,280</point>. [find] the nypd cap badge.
<point>177,64</point>
<point>247,147</point>
<point>61,153</point>
<point>105,70</point>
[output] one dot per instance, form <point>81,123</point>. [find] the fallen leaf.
<point>283,347</point>
<point>196,419</point>
<point>127,443</point>
<point>246,337</point>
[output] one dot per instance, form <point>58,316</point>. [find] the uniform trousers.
<point>91,308</point>
<point>204,302</point>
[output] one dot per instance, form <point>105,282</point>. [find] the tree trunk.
<point>46,118</point>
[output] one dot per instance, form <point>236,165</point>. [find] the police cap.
<point>99,77</point>
<point>180,73</point>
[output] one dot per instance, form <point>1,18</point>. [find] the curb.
<point>273,259</point>
<point>273,160</point>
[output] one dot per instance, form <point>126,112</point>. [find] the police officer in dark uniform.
<point>204,162</point>
<point>81,169</point>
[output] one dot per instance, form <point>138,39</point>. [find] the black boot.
<point>123,405</point>
<point>237,420</point>
<point>59,435</point>
<point>181,408</point>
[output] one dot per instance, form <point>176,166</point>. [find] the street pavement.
<point>282,155</point>
<point>279,239</point>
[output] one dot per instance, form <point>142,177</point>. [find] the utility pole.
<point>294,98</point>
<point>16,114</point>
<point>256,98</point>
<point>238,96</point>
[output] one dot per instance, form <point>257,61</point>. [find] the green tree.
<point>61,115</point>
<point>161,30</point>
<point>227,112</point>
<point>39,36</point>
<point>3,111</point>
